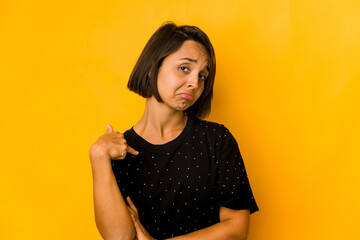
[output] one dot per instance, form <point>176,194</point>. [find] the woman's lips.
<point>186,96</point>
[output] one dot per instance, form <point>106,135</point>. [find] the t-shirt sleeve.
<point>233,188</point>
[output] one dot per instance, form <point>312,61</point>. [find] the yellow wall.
<point>287,87</point>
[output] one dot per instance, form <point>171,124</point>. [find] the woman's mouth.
<point>186,96</point>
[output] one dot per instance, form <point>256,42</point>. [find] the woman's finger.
<point>118,153</point>
<point>131,150</point>
<point>109,129</point>
<point>131,211</point>
<point>141,232</point>
<point>132,206</point>
<point>137,226</point>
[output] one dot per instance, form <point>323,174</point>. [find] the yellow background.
<point>287,87</point>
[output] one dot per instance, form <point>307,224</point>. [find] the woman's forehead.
<point>191,50</point>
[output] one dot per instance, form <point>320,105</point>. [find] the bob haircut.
<point>165,41</point>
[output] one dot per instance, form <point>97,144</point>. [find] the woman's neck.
<point>159,123</point>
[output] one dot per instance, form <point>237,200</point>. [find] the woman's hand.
<point>112,145</point>
<point>141,233</point>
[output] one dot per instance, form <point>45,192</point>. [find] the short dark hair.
<point>165,41</point>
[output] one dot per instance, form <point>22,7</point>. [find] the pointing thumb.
<point>109,129</point>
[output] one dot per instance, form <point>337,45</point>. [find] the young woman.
<point>172,175</point>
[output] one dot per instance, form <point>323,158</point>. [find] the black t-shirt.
<point>179,187</point>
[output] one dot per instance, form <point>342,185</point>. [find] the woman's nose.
<point>193,81</point>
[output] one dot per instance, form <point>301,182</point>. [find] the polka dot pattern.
<point>179,187</point>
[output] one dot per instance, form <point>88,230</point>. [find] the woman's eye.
<point>202,77</point>
<point>185,69</point>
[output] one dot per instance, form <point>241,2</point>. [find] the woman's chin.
<point>182,106</point>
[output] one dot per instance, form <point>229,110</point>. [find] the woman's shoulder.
<point>209,124</point>
<point>211,127</point>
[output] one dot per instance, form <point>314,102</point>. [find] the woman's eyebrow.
<point>189,59</point>
<point>195,61</point>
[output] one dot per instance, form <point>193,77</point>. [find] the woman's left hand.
<point>141,233</point>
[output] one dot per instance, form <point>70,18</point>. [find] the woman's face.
<point>182,75</point>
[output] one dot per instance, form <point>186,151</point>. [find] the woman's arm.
<point>233,225</point>
<point>111,215</point>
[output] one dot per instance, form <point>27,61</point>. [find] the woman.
<point>172,175</point>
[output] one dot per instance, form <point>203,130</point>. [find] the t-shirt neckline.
<point>161,147</point>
